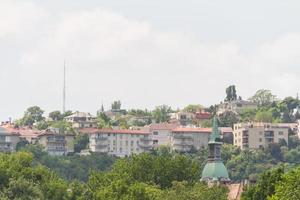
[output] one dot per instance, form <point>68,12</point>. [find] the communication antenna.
<point>64,89</point>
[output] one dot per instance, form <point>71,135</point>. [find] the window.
<point>120,136</point>
<point>155,133</point>
<point>114,142</point>
<point>131,143</point>
<point>108,134</point>
<point>120,149</point>
<point>126,143</point>
<point>260,139</point>
<point>260,133</point>
<point>280,133</point>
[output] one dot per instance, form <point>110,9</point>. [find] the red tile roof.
<point>191,130</point>
<point>117,131</point>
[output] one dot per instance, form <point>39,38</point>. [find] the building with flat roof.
<point>120,143</point>
<point>185,139</point>
<point>82,120</point>
<point>258,135</point>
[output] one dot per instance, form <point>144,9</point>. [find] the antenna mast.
<point>64,89</point>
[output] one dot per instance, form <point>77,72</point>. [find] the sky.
<point>144,53</point>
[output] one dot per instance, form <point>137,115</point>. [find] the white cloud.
<point>112,57</point>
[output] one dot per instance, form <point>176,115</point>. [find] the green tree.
<point>193,108</point>
<point>265,186</point>
<point>116,105</point>
<point>81,142</point>
<point>227,119</point>
<point>56,115</point>
<point>264,116</point>
<point>161,113</point>
<point>21,189</point>
<point>263,97</point>
<point>288,187</point>
<point>103,121</point>
<point>231,93</point>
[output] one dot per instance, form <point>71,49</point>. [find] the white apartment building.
<point>8,140</point>
<point>120,143</point>
<point>82,120</point>
<point>56,143</point>
<point>257,135</point>
<point>185,139</point>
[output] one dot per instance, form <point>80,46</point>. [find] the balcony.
<point>182,136</point>
<point>145,146</point>
<point>101,146</point>
<point>55,142</point>
<point>183,143</point>
<point>146,139</point>
<point>101,139</point>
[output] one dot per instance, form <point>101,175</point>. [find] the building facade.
<point>82,120</point>
<point>56,143</point>
<point>120,143</point>
<point>185,139</point>
<point>8,140</point>
<point>161,133</point>
<point>258,135</point>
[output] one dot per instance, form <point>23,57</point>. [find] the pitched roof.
<point>116,131</point>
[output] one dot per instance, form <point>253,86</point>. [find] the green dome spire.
<point>214,169</point>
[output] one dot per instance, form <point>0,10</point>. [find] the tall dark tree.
<point>231,93</point>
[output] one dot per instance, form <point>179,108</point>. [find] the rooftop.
<point>116,131</point>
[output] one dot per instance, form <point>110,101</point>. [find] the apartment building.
<point>8,140</point>
<point>56,143</point>
<point>185,139</point>
<point>161,133</point>
<point>82,120</point>
<point>121,143</point>
<point>257,135</point>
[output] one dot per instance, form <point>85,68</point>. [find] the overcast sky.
<point>144,53</point>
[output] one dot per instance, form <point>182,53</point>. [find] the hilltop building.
<point>215,170</point>
<point>82,120</point>
<point>258,135</point>
<point>236,106</point>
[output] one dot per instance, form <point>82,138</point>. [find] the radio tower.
<point>64,89</point>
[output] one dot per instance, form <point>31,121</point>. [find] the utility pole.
<point>64,89</point>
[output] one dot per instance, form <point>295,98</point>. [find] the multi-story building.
<point>120,143</point>
<point>184,118</point>
<point>236,106</point>
<point>257,135</point>
<point>82,120</point>
<point>8,140</point>
<point>186,139</point>
<point>56,143</point>
<point>161,133</point>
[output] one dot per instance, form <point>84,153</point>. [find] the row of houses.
<point>126,142</point>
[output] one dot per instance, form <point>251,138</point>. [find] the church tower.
<point>215,170</point>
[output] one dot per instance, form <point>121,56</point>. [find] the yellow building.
<point>257,135</point>
<point>56,143</point>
